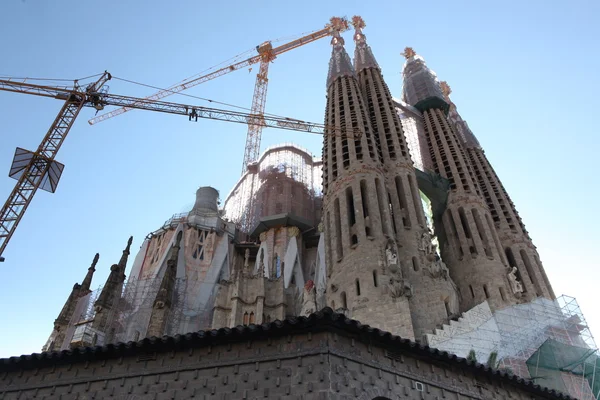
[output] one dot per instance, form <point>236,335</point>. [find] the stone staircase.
<point>467,322</point>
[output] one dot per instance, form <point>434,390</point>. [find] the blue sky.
<point>523,74</point>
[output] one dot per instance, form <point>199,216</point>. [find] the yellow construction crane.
<point>39,169</point>
<point>266,54</point>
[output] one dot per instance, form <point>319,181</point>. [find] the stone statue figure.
<point>247,259</point>
<point>391,254</point>
<point>309,300</point>
<point>515,285</point>
<point>425,244</point>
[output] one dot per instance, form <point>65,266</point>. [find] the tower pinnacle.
<point>363,56</point>
<point>446,90</point>
<point>409,52</point>
<point>123,261</point>
<point>339,64</point>
<point>87,281</point>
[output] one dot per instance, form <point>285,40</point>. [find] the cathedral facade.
<point>402,224</point>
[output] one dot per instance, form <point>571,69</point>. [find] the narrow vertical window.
<point>482,233</point>
<point>415,263</point>
<point>350,206</point>
<point>447,307</point>
<point>502,293</point>
<point>375,278</point>
<point>344,300</point>
<point>379,193</point>
<point>365,206</point>
<point>338,229</point>
<point>531,273</point>
<point>251,317</point>
<point>357,287</point>
<point>245,318</point>
<point>472,291</point>
<point>393,217</point>
<point>485,290</point>
<point>416,199</point>
<point>401,192</point>
<point>464,222</point>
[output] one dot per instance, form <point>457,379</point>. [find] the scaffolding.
<point>285,180</point>
<point>545,341</point>
<point>127,319</point>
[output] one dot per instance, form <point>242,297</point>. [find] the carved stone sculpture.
<point>247,259</point>
<point>438,269</point>
<point>309,300</point>
<point>515,285</point>
<point>391,254</point>
<point>425,244</point>
<point>397,286</point>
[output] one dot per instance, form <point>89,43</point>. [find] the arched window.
<point>251,317</point>
<point>245,318</point>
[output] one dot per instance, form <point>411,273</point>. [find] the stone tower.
<point>434,298</point>
<point>364,275</point>
<point>468,239</point>
<point>111,293</point>
<point>527,272</point>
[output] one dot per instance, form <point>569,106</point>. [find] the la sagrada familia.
<point>404,227</point>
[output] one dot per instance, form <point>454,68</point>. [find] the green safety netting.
<point>552,358</point>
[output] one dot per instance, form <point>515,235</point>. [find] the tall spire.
<point>410,234</point>
<point>363,56</point>
<point>123,261</point>
<point>87,281</point>
<point>462,128</point>
<point>355,213</point>
<point>339,64</point>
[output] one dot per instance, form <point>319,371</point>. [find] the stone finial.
<point>409,52</point>
<point>445,88</point>
<point>358,23</point>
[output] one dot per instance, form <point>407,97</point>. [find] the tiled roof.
<point>321,321</point>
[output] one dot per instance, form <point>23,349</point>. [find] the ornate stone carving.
<point>515,285</point>
<point>309,300</point>
<point>247,259</point>
<point>438,269</point>
<point>425,244</point>
<point>391,253</point>
<point>397,286</point>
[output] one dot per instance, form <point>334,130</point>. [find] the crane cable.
<point>192,96</point>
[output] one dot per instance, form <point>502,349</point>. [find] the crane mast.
<point>35,169</point>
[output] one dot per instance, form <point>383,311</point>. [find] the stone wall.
<point>304,365</point>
